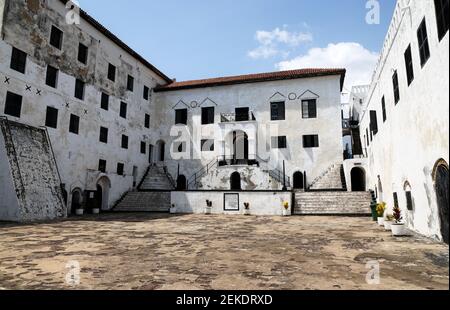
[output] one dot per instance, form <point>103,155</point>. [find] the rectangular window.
<point>424,48</point>
<point>51,119</point>
<point>396,87</point>
<point>103,135</point>
<point>13,104</point>
<point>181,117</point>
<point>102,165</point>
<point>373,122</point>
<point>120,168</point>
<point>124,142</point>
<point>56,37</point>
<point>279,142</point>
<point>146,92</point>
<point>143,148</point>
<point>147,121</point>
<point>111,73</point>
<point>309,108</point>
<point>18,60</point>
<point>396,200</point>
<point>79,89</point>
<point>207,115</point>
<point>123,110</point>
<point>74,124</point>
<point>130,83</point>
<point>82,53</point>
<point>207,145</point>
<point>368,137</point>
<point>442,16</point>
<point>409,65</point>
<point>242,114</point>
<point>277,111</point>
<point>311,141</point>
<point>383,107</point>
<point>51,78</point>
<point>409,201</point>
<point>105,102</point>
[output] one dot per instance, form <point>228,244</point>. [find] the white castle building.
<point>404,118</point>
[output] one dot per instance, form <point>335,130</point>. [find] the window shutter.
<point>312,109</point>
<point>373,122</point>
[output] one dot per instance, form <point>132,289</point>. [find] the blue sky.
<point>191,39</point>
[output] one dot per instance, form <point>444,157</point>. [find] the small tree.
<point>398,215</point>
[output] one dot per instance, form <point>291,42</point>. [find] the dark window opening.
<point>424,47</point>
<point>311,141</point>
<point>242,114</point>
<point>111,73</point>
<point>143,148</point>
<point>51,119</point>
<point>409,65</point>
<point>56,37</point>
<point>120,168</point>
<point>396,205</point>
<point>82,53</point>
<point>103,135</point>
<point>409,200</point>
<point>279,142</point>
<point>124,142</point>
<point>102,165</point>
<point>442,16</point>
<point>373,122</point>
<point>13,104</point>
<point>367,137</point>
<point>309,108</point>
<point>396,87</point>
<point>79,89</point>
<point>181,117</point>
<point>147,121</point>
<point>207,145</point>
<point>130,83</point>
<point>18,60</point>
<point>123,110</point>
<point>179,147</point>
<point>105,102</point>
<point>146,92</point>
<point>383,107</point>
<point>74,125</point>
<point>51,78</point>
<point>277,111</point>
<point>207,115</point>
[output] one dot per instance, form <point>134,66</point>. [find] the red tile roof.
<point>254,78</point>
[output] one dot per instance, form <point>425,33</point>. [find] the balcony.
<point>237,117</point>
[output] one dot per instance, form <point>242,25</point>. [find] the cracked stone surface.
<point>160,251</point>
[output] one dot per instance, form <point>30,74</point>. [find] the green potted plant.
<point>247,208</point>
<point>208,208</point>
<point>381,207</point>
<point>286,208</point>
<point>373,208</point>
<point>398,226</point>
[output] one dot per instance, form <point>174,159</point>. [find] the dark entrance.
<point>181,183</point>
<point>98,198</point>
<point>240,148</point>
<point>358,177</point>
<point>235,181</point>
<point>298,180</point>
<point>161,151</point>
<point>442,188</point>
<point>150,154</point>
<point>76,201</point>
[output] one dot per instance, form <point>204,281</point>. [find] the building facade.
<point>404,120</point>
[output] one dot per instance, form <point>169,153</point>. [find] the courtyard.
<point>161,251</point>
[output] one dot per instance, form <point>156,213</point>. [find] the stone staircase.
<point>332,179</point>
<point>153,194</point>
<point>332,203</point>
<point>144,202</point>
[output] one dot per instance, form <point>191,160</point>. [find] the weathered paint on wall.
<point>415,135</point>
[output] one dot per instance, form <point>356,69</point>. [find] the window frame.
<point>104,101</point>
<point>112,72</point>
<point>315,143</point>
<point>18,60</point>
<point>61,38</point>
<point>130,83</point>
<point>208,118</point>
<point>212,145</point>
<point>51,117</point>
<point>123,110</point>
<point>53,77</point>
<point>147,121</point>
<point>442,12</point>
<point>13,104</point>
<point>423,43</point>
<point>409,65</point>
<point>102,163</point>
<point>396,87</point>
<point>124,144</point>
<point>183,117</point>
<point>79,83</point>
<point>279,142</point>
<point>309,113</point>
<point>74,124</point>
<point>120,169</point>
<point>83,48</point>
<point>104,132</point>
<point>278,113</point>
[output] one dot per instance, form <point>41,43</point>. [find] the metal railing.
<point>276,173</point>
<point>194,179</point>
<point>237,117</point>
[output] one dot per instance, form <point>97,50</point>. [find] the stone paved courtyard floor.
<point>144,251</point>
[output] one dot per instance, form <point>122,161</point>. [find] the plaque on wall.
<point>231,202</point>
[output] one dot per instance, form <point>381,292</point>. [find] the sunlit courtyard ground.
<point>147,252</point>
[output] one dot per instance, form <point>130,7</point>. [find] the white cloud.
<point>359,61</point>
<point>272,43</point>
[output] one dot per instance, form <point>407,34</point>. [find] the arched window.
<point>408,195</point>
<point>441,187</point>
<point>235,181</point>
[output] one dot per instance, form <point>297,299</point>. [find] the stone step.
<point>145,202</point>
<point>336,203</point>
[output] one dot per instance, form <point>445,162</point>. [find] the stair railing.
<point>195,178</point>
<point>276,174</point>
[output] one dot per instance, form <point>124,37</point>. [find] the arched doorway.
<point>358,176</point>
<point>76,201</point>
<point>240,148</point>
<point>102,193</point>
<point>441,184</point>
<point>181,183</point>
<point>298,180</point>
<point>235,181</point>
<point>161,151</point>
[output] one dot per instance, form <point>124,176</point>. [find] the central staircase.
<point>153,193</point>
